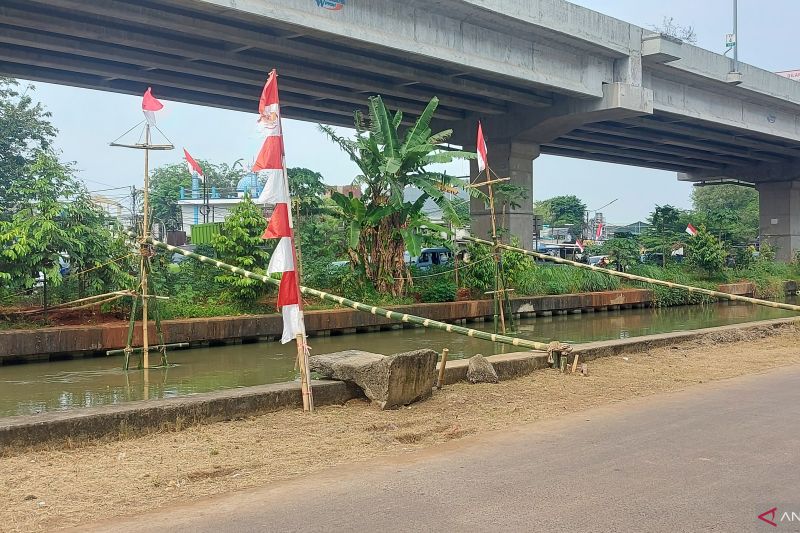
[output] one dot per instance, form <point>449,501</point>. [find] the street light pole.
<point>736,36</point>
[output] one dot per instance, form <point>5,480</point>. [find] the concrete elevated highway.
<point>545,76</point>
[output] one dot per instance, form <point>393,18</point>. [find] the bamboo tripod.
<point>145,265</point>
<point>502,302</point>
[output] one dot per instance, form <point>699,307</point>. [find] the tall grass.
<point>558,279</point>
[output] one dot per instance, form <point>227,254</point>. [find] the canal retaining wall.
<point>144,417</point>
<point>88,341</point>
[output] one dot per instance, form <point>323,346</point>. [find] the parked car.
<point>430,257</point>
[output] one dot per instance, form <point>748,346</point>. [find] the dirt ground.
<point>53,489</point>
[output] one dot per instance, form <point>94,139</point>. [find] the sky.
<point>89,120</point>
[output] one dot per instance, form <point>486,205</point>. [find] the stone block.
<point>480,370</point>
<point>390,381</point>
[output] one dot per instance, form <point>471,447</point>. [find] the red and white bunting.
<point>691,230</point>
<point>150,105</point>
<point>271,166</point>
<point>482,150</point>
<point>192,165</point>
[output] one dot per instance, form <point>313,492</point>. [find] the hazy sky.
<point>89,120</point>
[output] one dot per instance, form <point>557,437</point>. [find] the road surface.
<point>711,458</point>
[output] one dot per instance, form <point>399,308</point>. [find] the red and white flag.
<point>579,244</point>
<point>599,232</point>
<point>270,165</point>
<point>691,230</point>
<point>482,151</point>
<point>150,105</point>
<point>193,166</point>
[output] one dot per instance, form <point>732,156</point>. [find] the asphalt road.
<point>711,458</point>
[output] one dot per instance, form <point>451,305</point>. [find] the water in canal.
<point>39,387</point>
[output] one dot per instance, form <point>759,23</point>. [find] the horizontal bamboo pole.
<point>358,306</point>
<point>625,275</point>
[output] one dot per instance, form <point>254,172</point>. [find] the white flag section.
<point>274,191</point>
<point>282,258</point>
<point>269,123</point>
<point>292,323</point>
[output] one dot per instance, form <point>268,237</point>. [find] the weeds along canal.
<point>58,385</point>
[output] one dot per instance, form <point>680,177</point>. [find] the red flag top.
<point>482,151</point>
<point>193,165</point>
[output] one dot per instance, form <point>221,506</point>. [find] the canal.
<point>40,387</point>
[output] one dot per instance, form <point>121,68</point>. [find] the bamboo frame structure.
<point>634,277</point>
<point>358,306</point>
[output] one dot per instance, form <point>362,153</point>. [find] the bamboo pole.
<point>358,306</point>
<point>634,277</point>
<point>305,386</point>
<point>442,369</point>
<point>144,272</point>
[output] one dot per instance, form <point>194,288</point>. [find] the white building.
<point>193,208</point>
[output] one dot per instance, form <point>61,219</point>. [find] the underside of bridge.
<point>578,84</point>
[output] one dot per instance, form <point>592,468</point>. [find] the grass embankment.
<point>66,486</point>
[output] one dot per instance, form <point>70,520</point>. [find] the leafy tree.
<point>166,182</point>
<point>25,131</point>
<point>729,211</point>
<point>667,228</point>
<point>561,210</point>
<point>58,222</point>
<point>382,224</point>
<point>306,189</point>
<point>623,251</point>
<point>240,244</point>
<point>706,251</point>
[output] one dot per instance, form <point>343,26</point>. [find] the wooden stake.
<point>442,368</point>
<point>143,250</point>
<point>575,364</point>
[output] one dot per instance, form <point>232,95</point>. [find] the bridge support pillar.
<point>508,160</point>
<point>779,204</point>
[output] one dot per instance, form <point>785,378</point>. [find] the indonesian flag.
<point>599,232</point>
<point>270,165</point>
<point>691,230</point>
<point>579,244</point>
<point>150,105</point>
<point>482,151</point>
<point>193,165</point>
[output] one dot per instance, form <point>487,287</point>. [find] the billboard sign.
<point>791,74</point>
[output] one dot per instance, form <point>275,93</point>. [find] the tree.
<point>667,228</point>
<point>25,131</point>
<point>622,250</point>
<point>706,251</point>
<point>166,182</point>
<point>673,29</point>
<point>381,223</point>
<point>57,222</point>
<point>562,210</point>
<point>306,189</point>
<point>240,244</point>
<point>728,211</point>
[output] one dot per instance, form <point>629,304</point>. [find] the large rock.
<point>480,370</point>
<point>390,381</point>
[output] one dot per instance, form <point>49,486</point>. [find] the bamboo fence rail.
<point>625,275</point>
<point>358,306</point>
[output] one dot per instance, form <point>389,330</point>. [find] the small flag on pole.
<point>482,151</point>
<point>691,230</point>
<point>150,105</point>
<point>579,244</point>
<point>599,232</point>
<point>193,165</point>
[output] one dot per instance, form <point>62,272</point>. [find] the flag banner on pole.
<point>482,150</point>
<point>150,105</point>
<point>271,166</point>
<point>691,230</point>
<point>292,323</point>
<point>579,244</point>
<point>193,165</point>
<point>282,259</point>
<point>274,191</point>
<point>278,226</point>
<point>599,231</point>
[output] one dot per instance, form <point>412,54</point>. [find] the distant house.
<point>636,228</point>
<point>346,190</point>
<point>192,204</point>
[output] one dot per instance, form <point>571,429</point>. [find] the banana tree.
<point>382,224</point>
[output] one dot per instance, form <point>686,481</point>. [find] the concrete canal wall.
<point>144,417</point>
<point>87,341</point>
